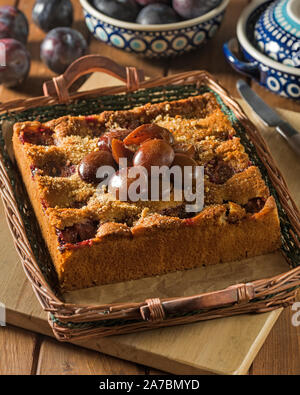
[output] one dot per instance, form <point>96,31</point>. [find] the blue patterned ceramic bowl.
<point>277,77</point>
<point>154,41</point>
<point>277,32</point>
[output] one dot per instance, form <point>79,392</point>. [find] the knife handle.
<point>290,135</point>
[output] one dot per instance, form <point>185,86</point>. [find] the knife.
<point>269,116</point>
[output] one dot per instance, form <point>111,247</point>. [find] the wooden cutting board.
<point>222,346</point>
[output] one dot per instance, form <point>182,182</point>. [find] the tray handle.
<point>59,86</point>
<point>157,310</point>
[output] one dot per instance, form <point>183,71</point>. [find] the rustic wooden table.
<point>24,352</point>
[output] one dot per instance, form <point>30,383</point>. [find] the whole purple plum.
<point>61,47</point>
<point>49,14</point>
<point>126,10</point>
<point>16,61</point>
<point>147,2</point>
<point>13,24</point>
<point>189,9</point>
<point>154,14</point>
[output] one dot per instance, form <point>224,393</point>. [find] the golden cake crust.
<point>239,219</point>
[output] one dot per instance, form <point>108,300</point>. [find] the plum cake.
<point>98,238</point>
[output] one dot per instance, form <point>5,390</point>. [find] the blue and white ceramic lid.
<point>277,32</point>
<point>287,15</point>
<point>248,44</point>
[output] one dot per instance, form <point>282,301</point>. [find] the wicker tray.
<point>73,321</point>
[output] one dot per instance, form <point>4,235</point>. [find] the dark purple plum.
<point>49,14</point>
<point>156,14</point>
<point>126,10</point>
<point>147,2</point>
<point>13,24</point>
<point>17,62</point>
<point>189,9</point>
<point>61,47</point>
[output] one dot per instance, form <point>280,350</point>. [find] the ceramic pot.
<point>154,41</point>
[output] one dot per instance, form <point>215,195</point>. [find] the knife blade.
<point>269,116</point>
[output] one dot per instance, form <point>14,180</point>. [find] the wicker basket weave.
<point>70,321</point>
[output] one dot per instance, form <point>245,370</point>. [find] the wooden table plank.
<point>66,359</point>
<point>280,354</point>
<point>17,351</point>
